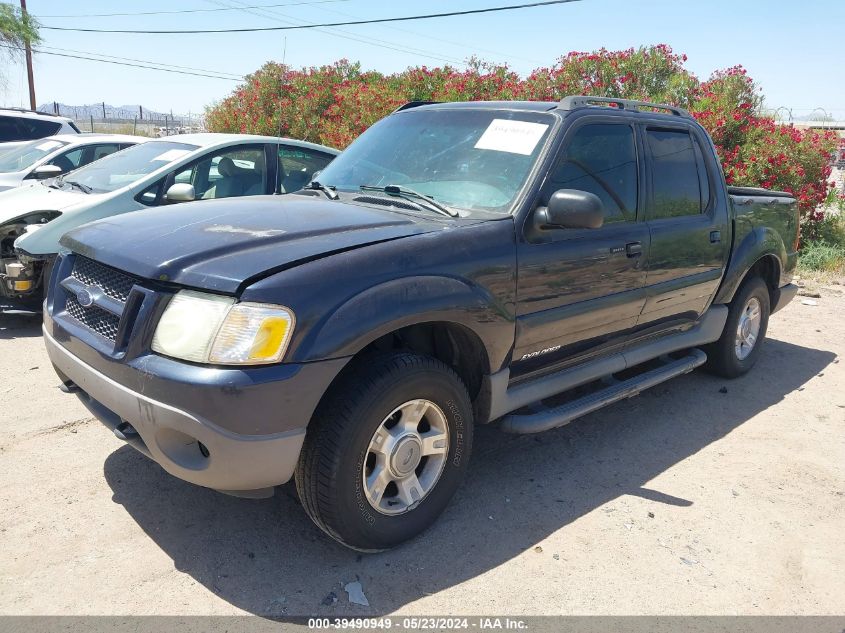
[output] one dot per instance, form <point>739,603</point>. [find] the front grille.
<point>113,283</point>
<point>94,318</point>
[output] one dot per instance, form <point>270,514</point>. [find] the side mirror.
<point>181,192</point>
<point>572,209</point>
<point>42,172</point>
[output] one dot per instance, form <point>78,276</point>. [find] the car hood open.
<point>221,244</point>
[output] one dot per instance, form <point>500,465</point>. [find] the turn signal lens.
<point>253,333</point>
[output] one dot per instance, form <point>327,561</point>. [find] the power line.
<point>111,15</point>
<point>45,49</point>
<point>276,16</point>
<point>107,61</point>
<point>429,16</point>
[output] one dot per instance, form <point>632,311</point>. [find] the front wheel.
<point>386,450</point>
<point>736,351</point>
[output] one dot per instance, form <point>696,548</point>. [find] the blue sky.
<point>794,50</point>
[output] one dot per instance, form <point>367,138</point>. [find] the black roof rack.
<point>573,102</point>
<point>413,104</point>
<point>28,110</point>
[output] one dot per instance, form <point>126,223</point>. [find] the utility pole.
<point>29,64</point>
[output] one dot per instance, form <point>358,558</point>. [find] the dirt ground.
<point>701,496</point>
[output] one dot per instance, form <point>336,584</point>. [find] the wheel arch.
<point>761,253</point>
<point>408,307</point>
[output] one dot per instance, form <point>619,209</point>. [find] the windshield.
<point>470,159</point>
<point>27,155</point>
<point>129,165</point>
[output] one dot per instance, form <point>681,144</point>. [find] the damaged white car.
<point>159,172</point>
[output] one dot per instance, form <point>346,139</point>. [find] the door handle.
<point>715,237</point>
<point>634,249</point>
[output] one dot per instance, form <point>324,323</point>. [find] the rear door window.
<point>99,151</point>
<point>37,128</point>
<point>676,185</point>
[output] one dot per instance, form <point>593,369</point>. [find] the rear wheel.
<point>736,351</point>
<point>386,450</point>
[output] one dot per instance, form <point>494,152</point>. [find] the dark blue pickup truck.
<point>461,263</point>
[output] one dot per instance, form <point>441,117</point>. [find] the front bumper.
<point>185,443</point>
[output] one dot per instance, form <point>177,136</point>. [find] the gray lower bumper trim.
<point>170,436</point>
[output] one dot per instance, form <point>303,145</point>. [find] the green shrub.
<point>333,104</point>
<point>822,257</point>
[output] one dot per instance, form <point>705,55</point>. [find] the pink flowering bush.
<point>333,104</point>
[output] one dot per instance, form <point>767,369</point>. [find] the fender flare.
<point>399,303</point>
<point>759,243</point>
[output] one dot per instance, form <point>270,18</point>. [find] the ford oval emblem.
<point>85,298</point>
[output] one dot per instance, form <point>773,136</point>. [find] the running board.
<point>618,390</point>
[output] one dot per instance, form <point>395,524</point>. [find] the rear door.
<point>581,290</point>
<point>687,252</point>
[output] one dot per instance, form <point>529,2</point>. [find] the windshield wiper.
<point>79,185</point>
<point>405,192</point>
<point>314,185</point>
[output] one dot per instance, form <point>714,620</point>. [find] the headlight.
<point>206,328</point>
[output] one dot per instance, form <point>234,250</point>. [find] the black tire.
<point>329,476</point>
<point>722,357</point>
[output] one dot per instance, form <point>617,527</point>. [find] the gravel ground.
<point>700,496</point>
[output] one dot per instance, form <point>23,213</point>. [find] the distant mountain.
<point>96,110</point>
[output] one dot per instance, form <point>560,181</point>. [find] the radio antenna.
<point>278,188</point>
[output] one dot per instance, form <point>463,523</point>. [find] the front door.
<point>582,290</point>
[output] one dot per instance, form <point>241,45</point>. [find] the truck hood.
<point>220,244</point>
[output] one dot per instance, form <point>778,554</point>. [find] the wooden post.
<point>104,110</point>
<point>28,52</point>
<point>92,122</point>
<point>135,126</point>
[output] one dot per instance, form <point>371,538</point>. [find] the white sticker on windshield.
<point>170,155</point>
<point>516,137</point>
<point>48,145</point>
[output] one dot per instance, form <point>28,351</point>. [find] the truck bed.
<point>757,208</point>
